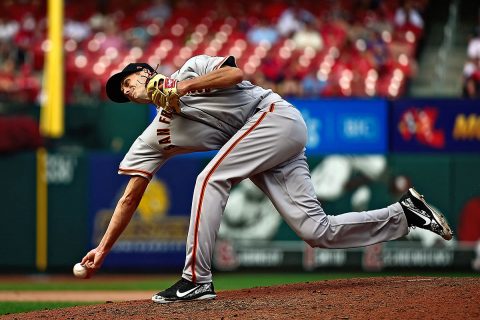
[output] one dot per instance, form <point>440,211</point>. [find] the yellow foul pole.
<point>42,216</point>
<point>51,120</point>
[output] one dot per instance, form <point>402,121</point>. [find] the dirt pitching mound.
<point>365,298</point>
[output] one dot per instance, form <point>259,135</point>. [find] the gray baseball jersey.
<point>262,137</point>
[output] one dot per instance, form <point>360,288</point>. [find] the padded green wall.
<point>18,210</point>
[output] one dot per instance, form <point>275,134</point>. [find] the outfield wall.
<point>431,144</point>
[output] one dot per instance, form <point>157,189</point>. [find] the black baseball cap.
<point>113,87</point>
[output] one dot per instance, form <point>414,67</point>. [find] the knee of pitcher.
<point>319,238</point>
<point>321,243</point>
<point>310,238</point>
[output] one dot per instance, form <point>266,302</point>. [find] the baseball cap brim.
<point>113,86</point>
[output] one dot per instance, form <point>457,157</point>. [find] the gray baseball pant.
<point>269,150</point>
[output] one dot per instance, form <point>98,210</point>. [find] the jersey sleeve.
<point>141,160</point>
<point>204,64</point>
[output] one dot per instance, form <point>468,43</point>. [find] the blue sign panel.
<point>155,237</point>
<point>355,126</point>
<point>345,126</point>
<point>436,125</point>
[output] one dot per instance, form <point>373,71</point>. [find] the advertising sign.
<point>436,126</point>
<point>297,255</point>
<point>344,126</point>
<point>155,237</point>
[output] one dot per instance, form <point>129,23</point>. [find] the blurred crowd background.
<point>359,48</point>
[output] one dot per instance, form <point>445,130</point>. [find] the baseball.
<point>80,271</point>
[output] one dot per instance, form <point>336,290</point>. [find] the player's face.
<point>133,87</point>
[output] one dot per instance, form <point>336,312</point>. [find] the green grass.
<point>16,307</point>
<point>223,281</point>
<point>226,281</point>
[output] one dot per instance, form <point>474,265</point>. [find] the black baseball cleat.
<point>420,214</point>
<point>185,290</point>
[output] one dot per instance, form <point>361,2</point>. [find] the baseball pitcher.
<point>206,105</point>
